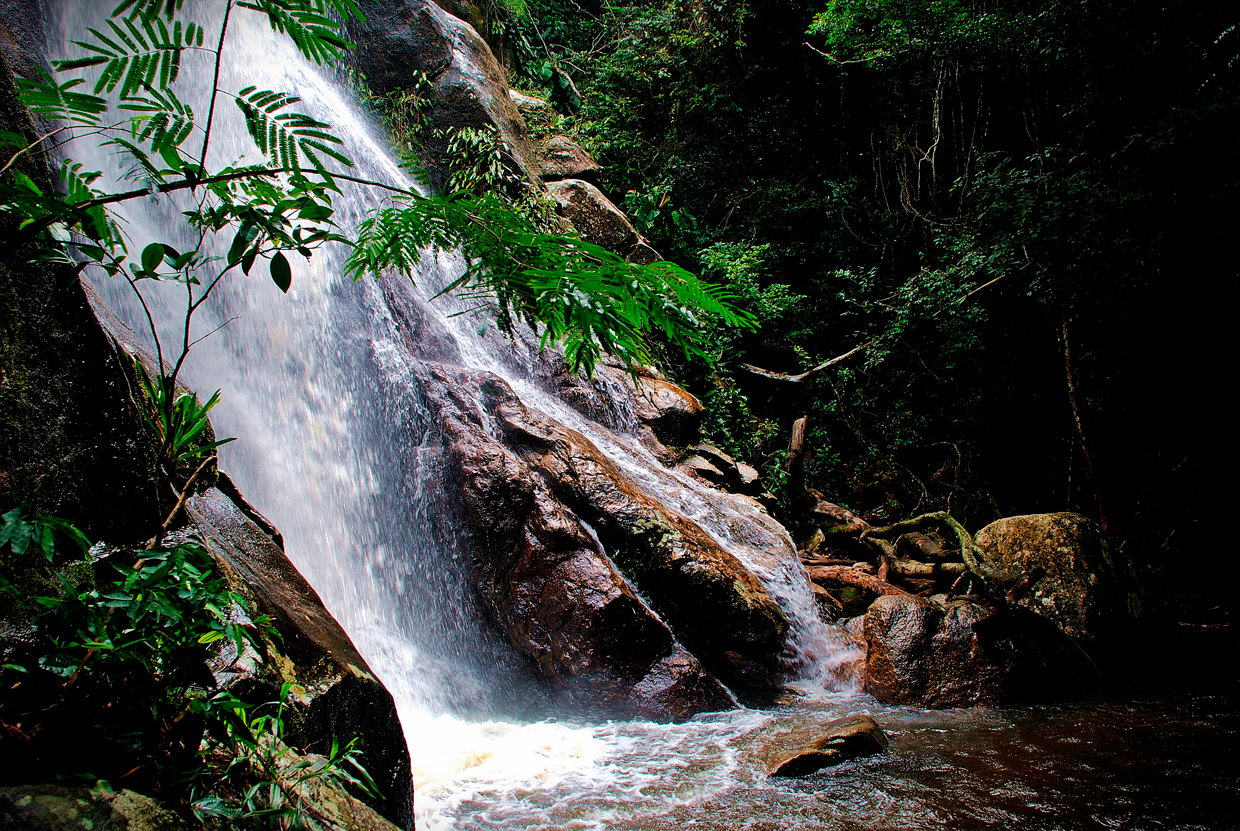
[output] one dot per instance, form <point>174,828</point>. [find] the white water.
<point>336,447</point>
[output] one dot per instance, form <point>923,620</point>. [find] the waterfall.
<point>338,448</point>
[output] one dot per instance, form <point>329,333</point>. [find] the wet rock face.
<point>673,414</point>
<point>843,739</point>
<point>1089,591</point>
<point>401,38</point>
<point>343,699</point>
<point>70,437</point>
<point>967,654</point>
<point>529,484</point>
<point>545,582</point>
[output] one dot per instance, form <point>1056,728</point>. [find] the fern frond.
<point>165,121</point>
<point>53,101</point>
<point>308,24</point>
<point>142,53</point>
<point>148,9</point>
<point>287,138</point>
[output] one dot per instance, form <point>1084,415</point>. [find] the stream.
<point>338,448</point>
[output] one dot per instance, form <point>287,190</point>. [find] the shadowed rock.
<point>968,654</point>
<point>1088,589</point>
<point>544,579</point>
<point>560,157</point>
<point>401,38</point>
<point>593,215</point>
<point>343,699</point>
<point>56,808</point>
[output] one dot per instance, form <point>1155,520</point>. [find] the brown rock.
<point>717,608</point>
<point>750,479</point>
<point>674,415</point>
<point>967,654</point>
<point>643,253</point>
<point>1088,590</point>
<point>527,104</point>
<point>846,738</point>
<point>541,575</point>
<point>57,808</point>
<point>593,215</point>
<point>703,469</point>
<point>560,157</point>
<point>829,606</point>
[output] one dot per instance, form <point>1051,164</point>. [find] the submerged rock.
<point>843,739</point>
<point>968,654</point>
<point>1088,590</point>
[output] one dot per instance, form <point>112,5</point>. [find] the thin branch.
<point>215,88</point>
<point>185,492</point>
<point>37,142</point>
<point>1080,429</point>
<point>187,183</point>
<point>213,331</point>
<point>805,376</point>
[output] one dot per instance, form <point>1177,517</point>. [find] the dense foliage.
<point>118,684</point>
<point>1020,207</point>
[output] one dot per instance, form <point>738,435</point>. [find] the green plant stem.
<point>215,88</point>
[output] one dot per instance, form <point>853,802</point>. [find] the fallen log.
<point>814,561</point>
<point>912,568</point>
<point>853,577</point>
<point>794,463</point>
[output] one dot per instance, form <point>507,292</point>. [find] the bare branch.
<point>805,376</point>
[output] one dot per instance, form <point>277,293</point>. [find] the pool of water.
<point>1154,750</point>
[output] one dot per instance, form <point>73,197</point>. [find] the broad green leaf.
<point>280,272</point>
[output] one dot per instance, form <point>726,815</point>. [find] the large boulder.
<point>400,39</point>
<point>530,486</point>
<point>967,654</point>
<point>673,414</point>
<point>341,699</point>
<point>545,580</point>
<point>1089,590</point>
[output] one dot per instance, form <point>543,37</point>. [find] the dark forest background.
<point>1026,209</point>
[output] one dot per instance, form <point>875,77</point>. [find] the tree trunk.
<point>1080,430</point>
<point>794,464</point>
